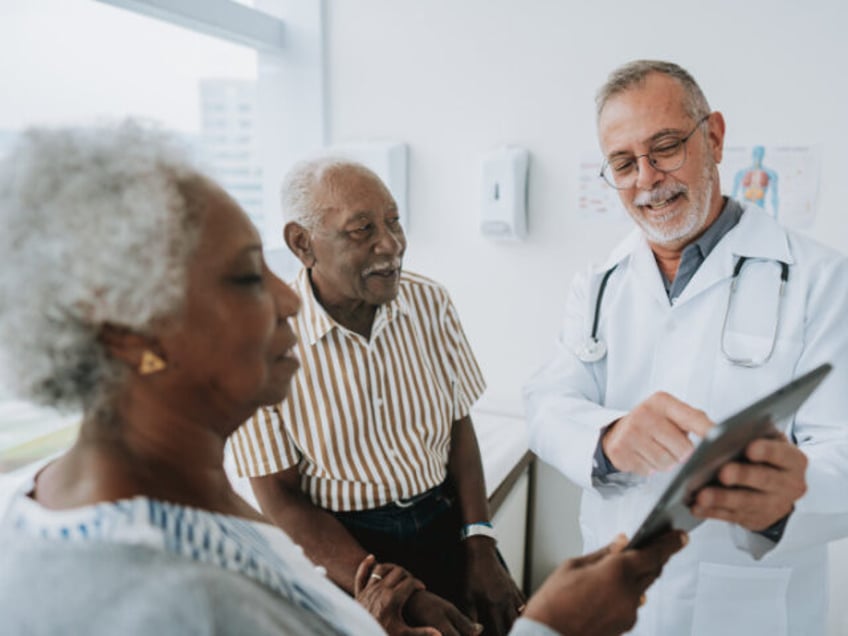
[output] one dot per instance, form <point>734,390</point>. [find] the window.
<point>219,73</point>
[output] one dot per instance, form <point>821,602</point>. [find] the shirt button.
<point>378,402</point>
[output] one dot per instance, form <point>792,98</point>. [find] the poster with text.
<point>596,199</point>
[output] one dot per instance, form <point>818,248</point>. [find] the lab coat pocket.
<point>748,601</point>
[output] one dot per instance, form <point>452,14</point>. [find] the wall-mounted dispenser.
<point>503,211</point>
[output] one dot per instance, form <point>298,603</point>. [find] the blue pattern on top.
<point>225,541</point>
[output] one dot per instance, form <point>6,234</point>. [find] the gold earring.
<point>150,363</point>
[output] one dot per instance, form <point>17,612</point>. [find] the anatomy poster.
<point>782,180</point>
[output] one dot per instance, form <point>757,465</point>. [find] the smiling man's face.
<point>359,244</point>
<point>676,207</point>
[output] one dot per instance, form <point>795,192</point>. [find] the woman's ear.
<point>299,241</point>
<point>138,352</point>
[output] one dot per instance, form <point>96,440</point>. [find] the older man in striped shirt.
<point>374,450</point>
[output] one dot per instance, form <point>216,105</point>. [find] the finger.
<point>392,575</point>
<point>462,624</point>
<point>674,441</point>
<point>592,557</point>
<point>404,589</point>
<point>363,573</point>
<point>686,417</point>
<point>778,453</point>
<point>640,462</point>
<point>730,498</point>
<point>649,561</point>
<point>618,544</point>
<point>760,477</point>
<point>655,456</point>
<point>748,508</point>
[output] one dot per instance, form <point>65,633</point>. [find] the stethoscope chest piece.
<point>592,350</point>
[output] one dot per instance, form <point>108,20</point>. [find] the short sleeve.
<point>262,445</point>
<point>467,379</point>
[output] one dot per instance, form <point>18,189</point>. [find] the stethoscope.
<point>594,349</point>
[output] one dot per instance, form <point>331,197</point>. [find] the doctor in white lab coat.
<point>618,412</point>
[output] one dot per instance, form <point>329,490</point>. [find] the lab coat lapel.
<point>646,272</point>
<point>756,236</point>
<point>642,265</point>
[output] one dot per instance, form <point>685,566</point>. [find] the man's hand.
<point>383,589</point>
<point>757,494</point>
<point>425,608</point>
<point>599,594</point>
<point>491,596</point>
<point>654,435</point>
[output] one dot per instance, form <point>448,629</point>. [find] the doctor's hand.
<point>599,594</point>
<point>383,589</point>
<point>654,435</point>
<point>760,493</point>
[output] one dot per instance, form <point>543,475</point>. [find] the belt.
<point>411,501</point>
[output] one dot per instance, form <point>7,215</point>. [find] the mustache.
<point>379,268</point>
<point>660,194</point>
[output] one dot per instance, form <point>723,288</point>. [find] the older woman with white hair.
<point>134,289</point>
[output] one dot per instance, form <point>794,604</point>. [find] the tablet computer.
<point>724,443</point>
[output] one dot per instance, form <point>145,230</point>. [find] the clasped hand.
<point>392,595</point>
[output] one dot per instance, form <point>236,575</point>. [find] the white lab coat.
<point>727,580</point>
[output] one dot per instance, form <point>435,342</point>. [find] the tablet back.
<point>724,443</point>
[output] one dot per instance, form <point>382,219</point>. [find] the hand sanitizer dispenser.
<point>503,212</point>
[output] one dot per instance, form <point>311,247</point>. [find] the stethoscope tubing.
<point>593,341</point>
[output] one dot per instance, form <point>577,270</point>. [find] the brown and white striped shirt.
<point>368,421</point>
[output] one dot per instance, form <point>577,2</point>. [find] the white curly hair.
<point>98,225</point>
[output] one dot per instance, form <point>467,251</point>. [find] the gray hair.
<point>303,183</point>
<point>98,226</point>
<point>634,73</point>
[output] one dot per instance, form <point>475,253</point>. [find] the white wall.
<point>454,78</point>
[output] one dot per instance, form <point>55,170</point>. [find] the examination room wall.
<point>456,79</point>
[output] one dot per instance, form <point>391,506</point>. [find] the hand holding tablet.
<point>724,443</point>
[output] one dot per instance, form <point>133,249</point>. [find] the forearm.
<point>323,538</point>
<point>465,469</point>
<point>565,416</point>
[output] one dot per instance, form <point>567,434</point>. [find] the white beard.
<point>659,232</point>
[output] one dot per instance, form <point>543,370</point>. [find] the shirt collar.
<point>317,323</point>
<point>726,221</point>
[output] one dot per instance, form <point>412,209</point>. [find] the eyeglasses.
<point>666,155</point>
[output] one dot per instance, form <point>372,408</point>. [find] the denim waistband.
<point>422,500</point>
